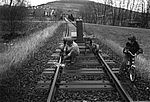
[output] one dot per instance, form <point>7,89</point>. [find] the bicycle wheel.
<point>132,74</point>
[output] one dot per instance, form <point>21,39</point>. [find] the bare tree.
<point>116,12</point>
<point>120,13</point>
<point>15,2</point>
<point>136,9</point>
<point>147,14</point>
<point>94,7</point>
<point>15,10</point>
<point>144,16</point>
<point>104,12</point>
<point>131,7</point>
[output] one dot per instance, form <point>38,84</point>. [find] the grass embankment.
<point>21,86</point>
<point>116,37</point>
<point>19,51</point>
<point>21,30</point>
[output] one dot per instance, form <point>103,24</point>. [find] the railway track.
<point>89,79</point>
<point>92,78</point>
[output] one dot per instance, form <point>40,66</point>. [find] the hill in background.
<point>66,4</point>
<point>99,13</point>
<point>74,1</point>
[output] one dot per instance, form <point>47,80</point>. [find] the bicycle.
<point>130,65</point>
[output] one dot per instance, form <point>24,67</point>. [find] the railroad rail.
<point>115,80</point>
<point>89,79</point>
<point>84,84</point>
<point>91,73</point>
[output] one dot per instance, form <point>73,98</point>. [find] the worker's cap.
<point>127,44</point>
<point>68,39</point>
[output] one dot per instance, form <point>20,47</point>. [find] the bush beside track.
<point>20,86</point>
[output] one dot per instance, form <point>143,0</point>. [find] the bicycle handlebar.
<point>127,51</point>
<point>134,55</point>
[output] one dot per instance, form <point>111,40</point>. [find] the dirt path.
<point>19,51</point>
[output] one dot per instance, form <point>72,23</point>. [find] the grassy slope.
<point>116,37</point>
<point>19,84</point>
<point>120,34</point>
<point>28,29</point>
<point>21,49</point>
<point>66,5</point>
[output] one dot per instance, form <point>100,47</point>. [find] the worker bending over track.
<point>70,49</point>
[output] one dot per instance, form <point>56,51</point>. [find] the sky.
<point>38,2</point>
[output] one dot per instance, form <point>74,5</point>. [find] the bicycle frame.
<point>131,74</point>
<point>130,67</point>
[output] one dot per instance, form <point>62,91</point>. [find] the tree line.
<point>129,13</point>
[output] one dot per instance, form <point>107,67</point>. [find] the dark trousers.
<point>72,57</point>
<point>127,60</point>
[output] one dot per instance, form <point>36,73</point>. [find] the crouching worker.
<point>71,50</point>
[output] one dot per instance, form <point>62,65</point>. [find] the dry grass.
<point>19,51</point>
<point>116,37</point>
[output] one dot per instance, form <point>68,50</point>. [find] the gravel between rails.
<point>74,77</point>
<point>86,95</point>
<point>21,86</point>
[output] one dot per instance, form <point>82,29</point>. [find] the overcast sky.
<point>38,2</point>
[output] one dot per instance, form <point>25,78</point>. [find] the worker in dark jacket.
<point>133,47</point>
